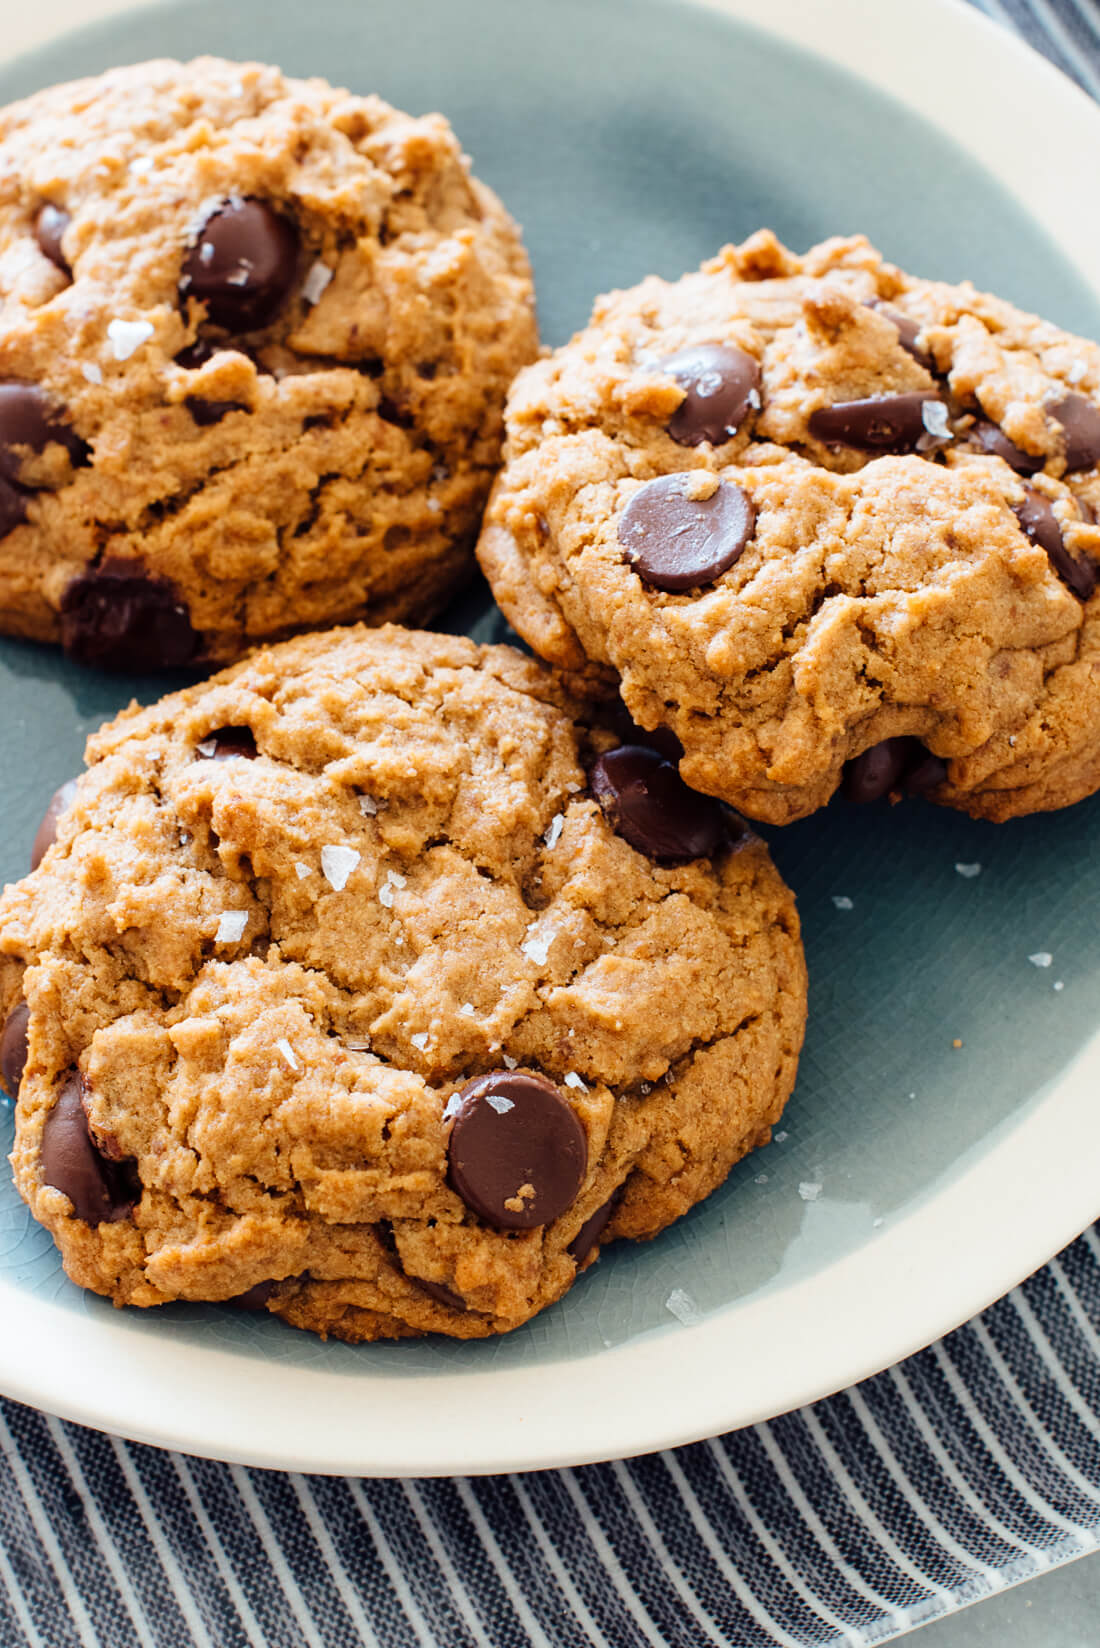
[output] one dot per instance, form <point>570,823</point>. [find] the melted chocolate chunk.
<point>645,800</point>
<point>593,1228</point>
<point>718,381</point>
<point>207,412</point>
<point>13,1047</point>
<point>870,776</point>
<point>13,506</point>
<point>674,542</point>
<point>992,439</point>
<point>1080,421</point>
<point>118,616</point>
<point>883,423</point>
<point>907,328</point>
<point>926,773</point>
<point>28,420</point>
<point>437,1291</point>
<point>661,739</point>
<point>101,1191</point>
<point>517,1153</point>
<point>253,1298</point>
<point>46,834</point>
<point>49,226</point>
<point>226,743</point>
<point>243,265</point>
<point>1039,522</point>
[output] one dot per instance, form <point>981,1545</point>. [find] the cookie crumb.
<point>231,927</point>
<point>1041,958</point>
<point>683,1307</point>
<point>957,1042</point>
<point>337,863</point>
<point>288,1053</point>
<point>968,871</point>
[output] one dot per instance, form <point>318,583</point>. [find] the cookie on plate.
<point>366,983</point>
<point>826,522</point>
<point>255,337</point>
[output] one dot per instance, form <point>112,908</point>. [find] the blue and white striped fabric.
<point>972,1466</point>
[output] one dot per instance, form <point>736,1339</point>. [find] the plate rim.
<point>961,1247</point>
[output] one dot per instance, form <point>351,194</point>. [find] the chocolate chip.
<point>883,423</point>
<point>645,800</point>
<point>1039,522</point>
<point>907,328</point>
<point>895,763</point>
<point>118,616</point>
<point>719,382</point>
<point>46,834</point>
<point>101,1191</point>
<point>13,506</point>
<point>593,1228</point>
<point>675,542</point>
<point>517,1153</point>
<point>242,264</point>
<point>870,776</point>
<point>927,773</point>
<point>13,1047</point>
<point>208,412</point>
<point>992,439</point>
<point>226,743</point>
<point>49,226</point>
<point>196,354</point>
<point>28,420</point>
<point>436,1290</point>
<point>1080,421</point>
<point>253,1298</point>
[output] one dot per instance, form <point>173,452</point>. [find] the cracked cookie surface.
<point>323,944</point>
<point>255,337</point>
<point>824,521</point>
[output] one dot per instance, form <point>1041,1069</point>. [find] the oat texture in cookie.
<point>374,984</point>
<point>255,337</point>
<point>823,522</point>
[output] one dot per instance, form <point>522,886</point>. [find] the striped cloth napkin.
<point>967,1468</point>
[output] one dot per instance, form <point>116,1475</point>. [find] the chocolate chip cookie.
<point>375,984</point>
<point>822,522</point>
<point>255,337</point>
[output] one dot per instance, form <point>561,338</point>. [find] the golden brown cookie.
<point>371,982</point>
<point>255,337</point>
<point>824,521</point>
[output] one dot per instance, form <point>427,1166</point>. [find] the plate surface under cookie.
<point>942,1139</point>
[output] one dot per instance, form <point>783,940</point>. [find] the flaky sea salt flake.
<point>91,371</point>
<point>127,336</point>
<point>467,1009</point>
<point>385,893</point>
<point>499,1103</point>
<point>315,282</point>
<point>968,871</point>
<point>302,871</point>
<point>508,1061</point>
<point>809,1191</point>
<point>368,806</point>
<point>1059,984</point>
<point>842,901</point>
<point>683,1307</point>
<point>288,1053</point>
<point>1041,958</point>
<point>420,1040</point>
<point>337,863</point>
<point>573,1080</point>
<point>554,829</point>
<point>535,949</point>
<point>934,418</point>
<point>231,927</point>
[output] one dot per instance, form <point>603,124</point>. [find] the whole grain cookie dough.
<point>255,337</point>
<point>822,522</point>
<point>371,983</point>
